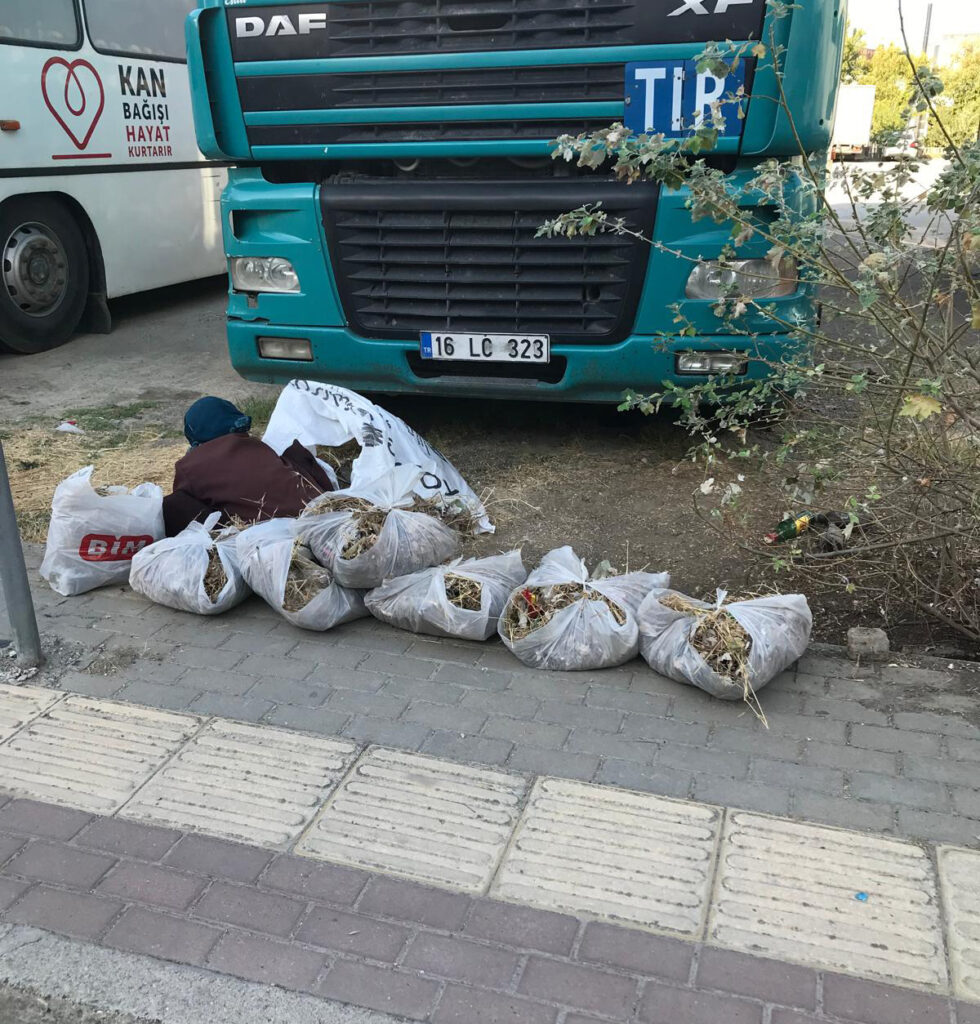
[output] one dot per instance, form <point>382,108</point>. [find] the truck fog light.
<point>297,349</point>
<point>753,279</point>
<point>263,274</point>
<point>727,363</point>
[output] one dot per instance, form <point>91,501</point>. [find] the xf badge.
<point>700,6</point>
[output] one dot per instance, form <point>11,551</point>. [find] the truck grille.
<point>419,131</point>
<point>370,28</point>
<point>440,25</point>
<point>569,83</point>
<point>414,256</point>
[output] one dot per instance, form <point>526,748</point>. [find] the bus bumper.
<point>577,373</point>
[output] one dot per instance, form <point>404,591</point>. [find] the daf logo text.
<point>280,25</point>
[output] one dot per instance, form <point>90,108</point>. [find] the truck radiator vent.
<point>420,131</point>
<point>411,257</point>
<point>565,83</point>
<point>374,28</point>
<point>427,26</point>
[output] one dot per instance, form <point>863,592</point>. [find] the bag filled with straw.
<point>563,620</point>
<point>196,571</point>
<point>728,650</point>
<point>280,568</point>
<point>382,530</point>
<point>462,599</point>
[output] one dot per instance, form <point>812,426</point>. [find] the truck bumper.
<point>577,373</point>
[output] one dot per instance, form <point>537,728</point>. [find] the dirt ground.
<point>19,1006</point>
<point>612,485</point>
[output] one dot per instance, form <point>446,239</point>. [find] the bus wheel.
<point>44,274</point>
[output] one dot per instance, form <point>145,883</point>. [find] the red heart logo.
<point>70,94</point>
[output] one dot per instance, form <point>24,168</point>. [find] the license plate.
<point>671,97</point>
<point>487,348</point>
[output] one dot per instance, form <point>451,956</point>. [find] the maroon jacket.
<point>241,476</point>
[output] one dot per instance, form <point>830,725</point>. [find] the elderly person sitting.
<point>226,470</point>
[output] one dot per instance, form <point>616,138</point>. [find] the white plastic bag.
<point>323,414</point>
<point>171,571</point>
<point>265,552</point>
<point>779,627</point>
<point>419,603</point>
<point>93,537</point>
<point>408,541</point>
<point>584,635</point>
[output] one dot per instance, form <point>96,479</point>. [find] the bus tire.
<point>44,274</point>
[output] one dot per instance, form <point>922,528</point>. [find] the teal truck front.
<point>393,165</point>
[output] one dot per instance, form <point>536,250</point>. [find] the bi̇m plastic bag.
<point>323,414</point>
<point>562,620</point>
<point>278,567</point>
<point>196,571</point>
<point>462,599</point>
<point>380,538</point>
<point>684,640</point>
<point>95,533</point>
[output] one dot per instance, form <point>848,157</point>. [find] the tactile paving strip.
<point>959,879</point>
<point>91,754</point>
<point>19,704</point>
<point>433,821</point>
<point>628,857</point>
<point>252,783</point>
<point>846,901</point>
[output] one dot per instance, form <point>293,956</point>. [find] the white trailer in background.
<point>103,191</point>
<point>852,128</point>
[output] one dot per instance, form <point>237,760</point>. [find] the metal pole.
<point>13,577</point>
<point>928,32</point>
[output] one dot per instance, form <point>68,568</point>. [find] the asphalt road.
<point>165,345</point>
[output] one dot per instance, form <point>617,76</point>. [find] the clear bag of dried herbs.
<point>281,569</point>
<point>564,620</point>
<point>196,571</point>
<point>461,599</point>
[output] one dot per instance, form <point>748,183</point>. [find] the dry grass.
<point>463,592</point>
<point>368,520</point>
<point>336,503</point>
<point>723,643</point>
<point>341,457</point>
<point>38,459</point>
<point>454,514</point>
<point>215,577</point>
<point>533,607</point>
<point>367,529</point>
<point>305,580</point>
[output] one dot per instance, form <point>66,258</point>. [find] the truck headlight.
<point>263,274</point>
<point>703,363</point>
<point>753,279</point>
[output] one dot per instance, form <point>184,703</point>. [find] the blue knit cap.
<point>211,417</point>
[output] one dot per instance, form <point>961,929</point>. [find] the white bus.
<point>103,191</point>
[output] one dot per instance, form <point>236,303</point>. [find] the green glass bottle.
<point>789,529</point>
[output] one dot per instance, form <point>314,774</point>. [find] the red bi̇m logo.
<point>73,93</point>
<point>104,547</point>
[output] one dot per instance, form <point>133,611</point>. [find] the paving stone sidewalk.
<point>892,749</point>
<point>393,945</point>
